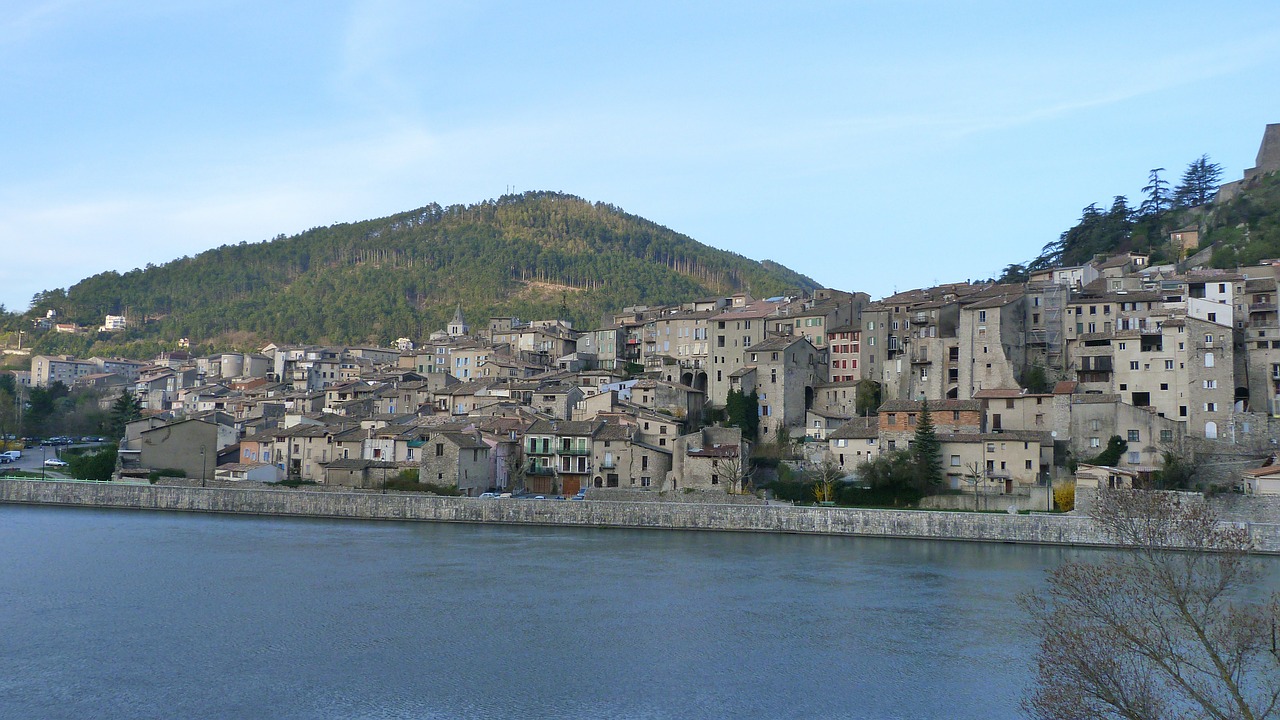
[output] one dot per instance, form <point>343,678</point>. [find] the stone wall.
<point>1036,529</point>
<point>671,496</point>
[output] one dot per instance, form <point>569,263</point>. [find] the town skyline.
<point>758,132</point>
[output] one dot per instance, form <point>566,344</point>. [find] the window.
<point>1210,384</point>
<point>1168,364</point>
<point>1095,442</point>
<point>982,316</point>
<point>1166,436</point>
<point>1133,436</point>
<point>1208,360</point>
<point>439,449</point>
<point>955,461</point>
<point>1028,464</point>
<point>1008,404</point>
<point>1211,407</point>
<point>1135,458</point>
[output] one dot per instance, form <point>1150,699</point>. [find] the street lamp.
<point>202,467</point>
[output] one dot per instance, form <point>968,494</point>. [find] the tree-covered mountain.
<point>533,255</point>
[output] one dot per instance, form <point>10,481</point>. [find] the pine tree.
<point>124,410</point>
<point>1157,190</point>
<point>926,450</point>
<point>1199,182</point>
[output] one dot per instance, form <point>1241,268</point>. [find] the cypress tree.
<point>926,451</point>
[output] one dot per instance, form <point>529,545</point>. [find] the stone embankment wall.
<point>1038,529</point>
<point>700,497</point>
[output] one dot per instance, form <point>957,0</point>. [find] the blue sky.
<point>873,146</point>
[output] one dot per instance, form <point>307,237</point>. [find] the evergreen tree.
<point>1157,190</point>
<point>1199,183</point>
<point>124,410</point>
<point>926,451</point>
<point>868,397</point>
<point>742,411</point>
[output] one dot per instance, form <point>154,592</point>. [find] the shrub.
<point>1064,496</point>
<point>98,466</point>
<point>155,475</point>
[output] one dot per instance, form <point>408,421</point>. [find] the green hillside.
<point>1242,229</point>
<point>534,255</point>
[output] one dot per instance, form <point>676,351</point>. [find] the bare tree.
<point>1154,632</point>
<point>736,471</point>
<point>825,477</point>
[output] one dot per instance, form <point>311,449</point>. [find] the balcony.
<point>575,451</point>
<point>1262,307</point>
<point>539,470</point>
<point>920,357</point>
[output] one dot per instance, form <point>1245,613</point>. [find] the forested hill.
<point>1242,228</point>
<point>534,255</point>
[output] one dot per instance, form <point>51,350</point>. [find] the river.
<point>113,613</point>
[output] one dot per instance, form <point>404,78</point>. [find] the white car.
<point>55,462</point>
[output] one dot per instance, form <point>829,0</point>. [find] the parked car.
<point>55,462</point>
<point>11,455</point>
<point>488,495</point>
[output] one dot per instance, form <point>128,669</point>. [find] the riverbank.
<point>916,524</point>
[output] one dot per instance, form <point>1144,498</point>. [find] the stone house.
<point>783,372</point>
<point>836,398</point>
<point>1001,462</point>
<point>712,459</point>
<point>622,459</point>
<point>187,445</point>
<point>1096,418</point>
<point>1261,345</point>
<point>1017,409</point>
<point>359,473</point>
<point>992,338</point>
<point>732,333</point>
<point>681,401</point>
<point>556,399</point>
<point>457,459</point>
<point>854,443</point>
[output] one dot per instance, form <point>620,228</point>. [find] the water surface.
<point>116,613</point>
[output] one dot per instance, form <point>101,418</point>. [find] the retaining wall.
<point>1038,529</point>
